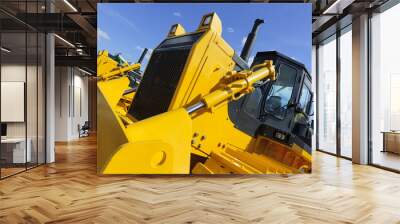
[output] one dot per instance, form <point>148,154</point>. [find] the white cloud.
<point>121,18</point>
<point>230,30</point>
<point>102,34</point>
<point>244,40</point>
<point>178,14</point>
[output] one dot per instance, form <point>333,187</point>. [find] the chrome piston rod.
<point>195,107</point>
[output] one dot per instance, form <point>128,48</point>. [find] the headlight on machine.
<point>280,135</point>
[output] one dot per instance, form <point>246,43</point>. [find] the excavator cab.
<point>282,109</point>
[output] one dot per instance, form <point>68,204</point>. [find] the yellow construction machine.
<point>114,72</point>
<point>200,108</point>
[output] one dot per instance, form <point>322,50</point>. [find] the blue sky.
<point>127,28</point>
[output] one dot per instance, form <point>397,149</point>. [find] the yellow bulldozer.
<point>202,109</point>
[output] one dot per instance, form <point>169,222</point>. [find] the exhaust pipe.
<point>142,56</point>
<point>245,54</point>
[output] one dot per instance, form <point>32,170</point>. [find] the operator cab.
<point>282,109</point>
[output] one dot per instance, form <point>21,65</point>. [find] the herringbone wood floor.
<point>69,191</point>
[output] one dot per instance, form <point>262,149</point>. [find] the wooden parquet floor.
<point>69,191</point>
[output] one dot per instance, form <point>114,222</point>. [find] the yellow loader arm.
<point>241,84</point>
<point>162,144</point>
<point>107,68</point>
<point>113,80</point>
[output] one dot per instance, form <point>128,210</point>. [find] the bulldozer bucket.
<point>157,145</point>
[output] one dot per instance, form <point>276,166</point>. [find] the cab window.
<point>305,98</point>
<point>281,91</point>
<point>252,104</point>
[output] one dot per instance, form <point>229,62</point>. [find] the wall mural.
<point>204,89</point>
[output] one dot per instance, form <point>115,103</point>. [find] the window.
<point>385,89</point>
<point>346,93</point>
<point>281,91</point>
<point>252,103</point>
<point>394,102</point>
<point>305,99</point>
<point>334,98</point>
<point>326,101</point>
<point>22,74</point>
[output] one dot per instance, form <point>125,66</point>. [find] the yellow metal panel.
<point>110,134</point>
<point>176,30</point>
<point>154,147</point>
<point>113,90</point>
<point>105,63</point>
<point>209,60</point>
<point>261,162</point>
<point>214,166</point>
<point>234,165</point>
<point>201,169</point>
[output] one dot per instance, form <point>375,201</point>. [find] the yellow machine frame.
<point>197,121</point>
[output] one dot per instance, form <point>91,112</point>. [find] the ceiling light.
<point>79,51</point>
<point>326,11</point>
<point>337,7</point>
<point>5,50</point>
<point>70,5</point>
<point>65,41</point>
<point>86,72</point>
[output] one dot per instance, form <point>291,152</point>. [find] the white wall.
<point>33,126</point>
<point>13,101</point>
<point>80,109</point>
<point>62,81</point>
<point>71,102</point>
<point>14,73</point>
